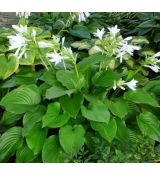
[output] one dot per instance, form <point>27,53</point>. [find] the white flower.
<point>82,16</point>
<point>67,53</point>
<point>120,55</point>
<point>99,33</point>
<point>23,14</point>
<point>43,44</point>
<point>157,54</point>
<point>132,84</point>
<point>125,48</point>
<point>113,30</point>
<point>55,57</point>
<point>128,38</point>
<point>20,29</point>
<point>18,42</point>
<point>56,39</point>
<point>121,83</point>
<point>155,68</point>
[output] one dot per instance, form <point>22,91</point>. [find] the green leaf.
<point>70,80</point>
<point>153,86</point>
<point>35,138</point>
<point>57,91</point>
<point>9,118</point>
<point>33,117</point>
<point>105,78</point>
<point>72,104</point>
<point>24,155</point>
<point>21,99</point>
<point>72,138</point>
<point>149,125</point>
<point>81,44</point>
<point>52,151</point>
<point>53,118</point>
<point>49,77</point>
<point>157,37</point>
<point>90,61</point>
<point>122,131</point>
<point>10,141</point>
<point>80,32</point>
<point>145,15</point>
<point>29,60</point>
<point>141,96</point>
<point>96,111</point>
<point>106,130</point>
<point>119,107</point>
<point>8,66</point>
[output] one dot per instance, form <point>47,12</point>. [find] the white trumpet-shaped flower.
<point>20,29</point>
<point>155,68</point>
<point>82,16</point>
<point>157,54</point>
<point>132,84</point>
<point>99,33</point>
<point>43,44</point>
<point>125,48</point>
<point>113,30</point>
<point>152,62</point>
<point>23,14</point>
<point>18,42</point>
<point>121,83</point>
<point>54,57</point>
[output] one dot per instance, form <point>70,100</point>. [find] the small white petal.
<point>82,16</point>
<point>55,57</point>
<point>43,44</point>
<point>132,84</point>
<point>99,33</point>
<point>23,14</point>
<point>157,54</point>
<point>155,68</point>
<point>114,30</point>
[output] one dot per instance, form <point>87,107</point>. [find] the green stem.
<point>65,25</point>
<point>76,71</point>
<point>138,70</point>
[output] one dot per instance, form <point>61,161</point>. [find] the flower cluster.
<point>152,62</point>
<point>121,83</point>
<point>82,16</point>
<point>119,47</point>
<point>23,14</point>
<point>18,41</point>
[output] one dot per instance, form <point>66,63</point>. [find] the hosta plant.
<point>58,92</point>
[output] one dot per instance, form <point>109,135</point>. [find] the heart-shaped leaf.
<point>72,104</point>
<point>106,130</point>
<point>52,151</point>
<point>52,118</point>
<point>72,138</point>
<point>96,111</point>
<point>35,138</point>
<point>119,107</point>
